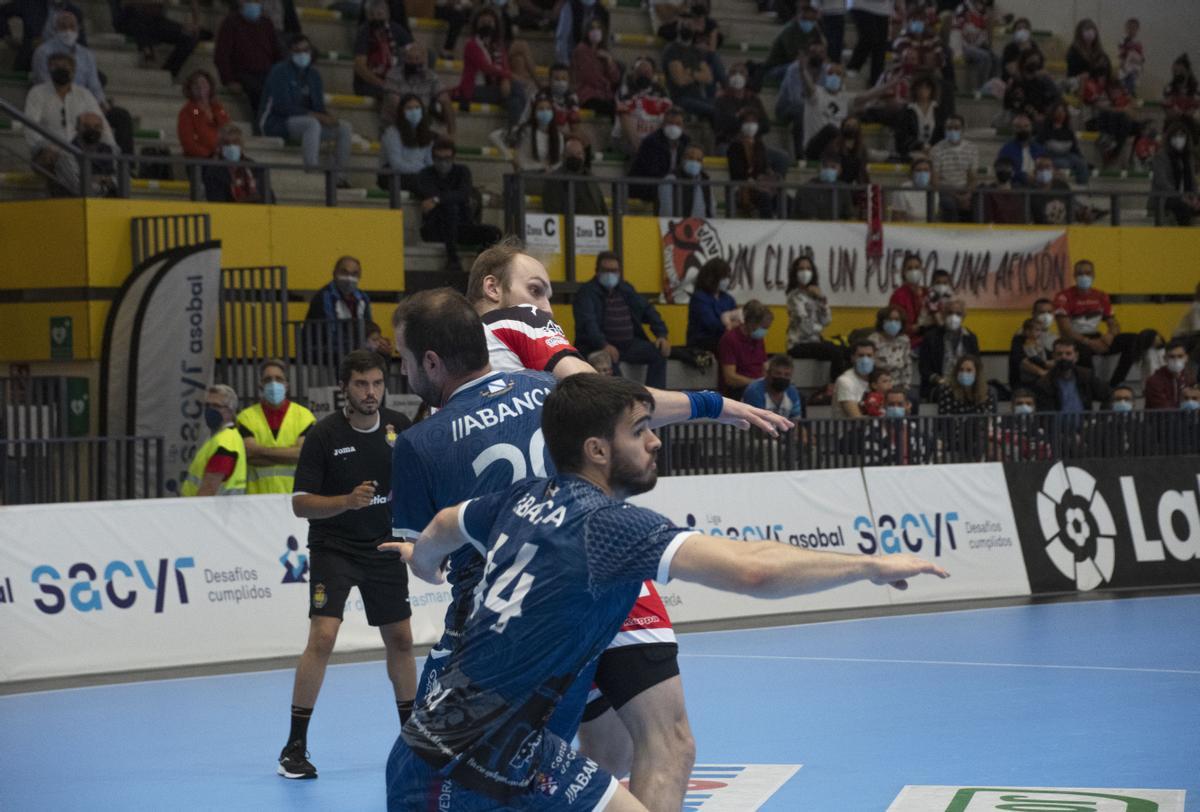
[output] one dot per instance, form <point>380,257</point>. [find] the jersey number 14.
<point>513,580</point>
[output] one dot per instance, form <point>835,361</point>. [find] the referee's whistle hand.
<point>361,496</point>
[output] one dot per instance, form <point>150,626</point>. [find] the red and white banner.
<point>994,268</point>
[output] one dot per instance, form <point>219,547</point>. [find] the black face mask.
<point>685,35</point>
<point>1064,368</point>
<point>378,24</point>
<point>1004,175</point>
<point>1023,136</point>
<point>485,31</point>
<point>641,82</point>
<point>90,136</point>
<point>779,384</point>
<point>411,70</point>
<point>61,76</point>
<point>573,165</point>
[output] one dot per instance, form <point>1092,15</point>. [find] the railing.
<point>80,469</point>
<point>35,406</point>
<point>252,325</point>
<point>710,448</point>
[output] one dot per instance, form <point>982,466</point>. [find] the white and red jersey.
<point>648,621</point>
<point>1085,308</point>
<point>523,337</point>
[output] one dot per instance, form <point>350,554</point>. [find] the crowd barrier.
<point>116,586</point>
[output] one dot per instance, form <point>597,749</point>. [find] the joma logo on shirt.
<point>337,452</point>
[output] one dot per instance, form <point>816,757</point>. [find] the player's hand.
<point>361,496</point>
<point>664,346</point>
<point>743,415</point>
<point>434,574</point>
<point>895,569</point>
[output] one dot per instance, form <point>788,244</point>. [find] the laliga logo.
<point>1078,526</point>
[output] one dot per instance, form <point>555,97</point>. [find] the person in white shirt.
<point>910,207</point>
<point>56,107</point>
<point>852,384</point>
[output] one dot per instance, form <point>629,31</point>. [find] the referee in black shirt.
<point>343,485</point>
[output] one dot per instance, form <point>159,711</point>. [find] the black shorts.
<point>382,582</point>
<point>626,671</point>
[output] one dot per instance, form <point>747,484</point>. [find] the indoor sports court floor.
<point>1097,693</point>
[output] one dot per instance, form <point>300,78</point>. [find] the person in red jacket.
<point>1164,389</point>
<point>911,297</point>
<point>486,55</point>
<point>246,48</point>
<point>201,117</point>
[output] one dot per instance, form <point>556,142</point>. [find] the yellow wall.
<point>76,243</point>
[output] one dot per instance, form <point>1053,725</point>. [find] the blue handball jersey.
<point>487,436</point>
<point>564,565</point>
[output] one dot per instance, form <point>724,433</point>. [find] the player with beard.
<point>343,482</point>
<point>566,558</point>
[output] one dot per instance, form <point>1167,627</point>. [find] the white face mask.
<point>750,129</point>
<point>672,132</point>
<point>954,321</point>
<point>1178,142</point>
<point>804,277</point>
<point>913,277</point>
<point>68,37</point>
<point>1176,365</point>
<point>595,35</point>
<point>1045,319</point>
<point>737,81</point>
<point>942,289</point>
<point>1021,35</point>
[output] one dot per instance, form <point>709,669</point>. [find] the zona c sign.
<point>1036,799</point>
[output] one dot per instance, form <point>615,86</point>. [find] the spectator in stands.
<point>642,105</point>
<point>246,48</point>
<point>294,107</point>
<point>775,392</point>
<point>1048,208</point>
<point>273,430</point>
<point>658,154</point>
<point>709,32</point>
<point>1191,399</point>
<point>1001,202</point>
<point>56,106</point>
<point>239,182</point>
<point>378,48</point>
<point>711,310</point>
<point>825,105</point>
<point>1086,54</point>
<point>893,348</point>
<point>1131,56</point>
<point>954,161</point>
<point>851,385</point>
<point>601,362</point>
<point>1080,310</point>
<point>825,197</point>
<point>407,142</point>
<point>879,383</point>
<point>456,14</point>
<point>943,346</point>
<point>38,19</point>
<point>938,297</point>
<point>565,101</point>
<point>376,341</point>
<point>487,76</point>
<point>585,192</point>
<point>201,117</point>
<point>147,22</point>
<point>1173,183</point>
<point>1109,105</point>
<point>791,107</point>
<point>742,350</point>
<point>1058,137</point>
<point>1031,91</point>
<point>609,315</point>
<point>1028,358</point>
<point>871,21</point>
<point>965,390</point>
<point>597,75</point>
<point>66,40</point>
<point>922,123</point>
<point>974,20</point>
<point>1023,401</point>
<point>444,190</point>
<point>1015,51</point>
<point>793,41</point>
<point>89,132</point>
<point>897,440</point>
<point>851,152</point>
<point>574,19</point>
<point>1020,435</point>
<point>1022,150</point>
<point>1069,387</point>
<point>682,199</point>
<point>913,206</point>
<point>219,467</point>
<point>537,145</point>
<point>808,316</point>
<point>691,77</point>
<point>1188,328</point>
<point>731,102</point>
<point>413,76</point>
<point>747,157</point>
<point>1043,313</point>
<point>911,298</point>
<point>341,299</point>
<point>1164,389</point>
<point>1181,96</point>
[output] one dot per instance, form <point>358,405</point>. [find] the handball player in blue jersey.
<point>564,561</point>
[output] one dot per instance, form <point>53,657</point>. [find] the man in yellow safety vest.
<point>219,467</point>
<point>273,430</point>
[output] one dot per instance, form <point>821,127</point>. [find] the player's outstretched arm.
<point>443,536</point>
<point>769,569</point>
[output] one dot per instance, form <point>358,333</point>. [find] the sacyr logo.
<point>118,585</point>
<point>1078,526</point>
<point>295,563</point>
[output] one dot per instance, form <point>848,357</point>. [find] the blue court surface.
<point>1101,693</point>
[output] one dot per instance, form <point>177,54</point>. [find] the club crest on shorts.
<point>319,597</point>
<point>545,784</point>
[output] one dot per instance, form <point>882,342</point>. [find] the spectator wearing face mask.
<point>943,345</point>
<point>1020,436</point>
<point>564,98</point>
<point>246,48</point>
<point>733,99</point>
<point>685,199</point>
<point>658,154</point>
<point>487,76</point>
<point>537,145</point>
<point>922,123</point>
<point>597,75</point>
<point>939,297</point>
<point>1022,43</point>
<point>413,76</point>
<point>742,350</point>
<point>1173,184</point>
<point>711,310</point>
<point>693,72</point>
<point>1191,404</point>
<point>574,20</point>
<point>378,48</point>
<point>407,143</point>
<point>1051,205</point>
<point>775,392</point>
<point>1164,389</point>
<point>1001,203</point>
<point>826,106</point>
<point>1067,387</point>
<point>609,314</point>
<point>748,162</point>
<point>1028,358</point>
<point>444,190</point>
<point>341,300</point>
<point>808,316</point>
<point>1086,53</point>
<point>201,117</point>
<point>1022,151</point>
<point>851,385</point>
<point>792,41</point>
<point>893,348</point>
<point>89,134</point>
<point>238,182</point>
<point>56,106</point>
<point>913,206</point>
<point>1181,96</point>
<point>879,384</point>
<point>1058,137</point>
<point>1131,55</point>
<point>1031,91</point>
<point>911,298</point>
<point>273,431</point>
<point>641,107</point>
<point>825,196</point>
<point>897,439</point>
<point>219,467</point>
<point>964,390</point>
<point>38,24</point>
<point>1109,106</point>
<point>974,20</point>
<point>954,160</point>
<point>707,31</point>
<point>587,194</point>
<point>791,98</point>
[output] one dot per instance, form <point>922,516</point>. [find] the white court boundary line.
<point>962,663</point>
<point>722,656</point>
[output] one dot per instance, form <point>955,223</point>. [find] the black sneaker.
<point>294,763</point>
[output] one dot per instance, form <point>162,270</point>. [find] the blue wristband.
<point>706,404</point>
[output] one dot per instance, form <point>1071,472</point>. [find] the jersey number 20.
<point>509,453</point>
